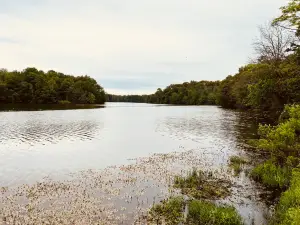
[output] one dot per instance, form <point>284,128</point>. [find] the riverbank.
<point>280,172</point>
<point>38,107</point>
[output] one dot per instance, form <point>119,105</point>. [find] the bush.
<point>201,212</point>
<point>282,140</point>
<point>288,208</point>
<point>272,175</point>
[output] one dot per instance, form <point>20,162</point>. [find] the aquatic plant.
<point>202,212</point>
<point>170,211</point>
<point>236,163</point>
<point>201,185</point>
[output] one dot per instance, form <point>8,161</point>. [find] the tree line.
<point>32,86</point>
<point>188,93</point>
<point>127,98</point>
<point>272,82</point>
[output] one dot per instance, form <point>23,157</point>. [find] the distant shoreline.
<point>41,107</point>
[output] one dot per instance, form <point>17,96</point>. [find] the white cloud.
<point>158,41</point>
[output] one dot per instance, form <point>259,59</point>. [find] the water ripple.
<point>31,132</point>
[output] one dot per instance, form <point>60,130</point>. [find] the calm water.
<point>35,144</point>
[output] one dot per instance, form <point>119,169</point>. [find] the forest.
<point>267,84</point>
<point>188,93</point>
<point>32,86</point>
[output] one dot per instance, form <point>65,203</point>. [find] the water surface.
<point>38,144</point>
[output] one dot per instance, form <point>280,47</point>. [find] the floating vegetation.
<point>120,194</point>
<point>115,195</point>
<point>201,185</point>
<point>236,163</point>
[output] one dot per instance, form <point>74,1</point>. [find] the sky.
<point>133,46</point>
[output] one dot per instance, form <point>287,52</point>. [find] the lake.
<point>78,147</point>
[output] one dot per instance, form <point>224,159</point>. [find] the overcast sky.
<point>132,46</point>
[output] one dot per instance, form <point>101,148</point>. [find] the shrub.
<point>272,175</point>
<point>282,140</point>
<point>288,208</point>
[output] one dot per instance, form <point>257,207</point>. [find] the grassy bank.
<point>281,170</point>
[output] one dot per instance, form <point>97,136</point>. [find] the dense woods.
<point>265,85</point>
<point>37,87</point>
<point>262,85</point>
<point>127,98</point>
<point>188,93</point>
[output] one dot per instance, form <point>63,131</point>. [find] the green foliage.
<point>188,93</point>
<point>288,209</point>
<point>272,175</point>
<point>290,15</point>
<point>262,86</point>
<point>282,140</point>
<point>290,20</point>
<point>127,98</point>
<point>201,212</point>
<point>171,211</point>
<point>201,185</point>
<point>281,171</point>
<point>37,87</point>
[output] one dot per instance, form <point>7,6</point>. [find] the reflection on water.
<point>32,132</point>
<point>32,128</point>
<point>55,143</point>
